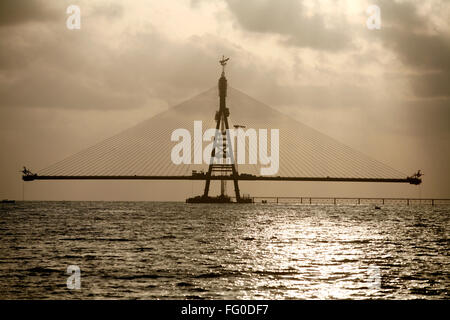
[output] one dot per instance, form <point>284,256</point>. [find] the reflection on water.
<point>151,250</point>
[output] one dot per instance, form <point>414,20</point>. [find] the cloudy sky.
<point>384,92</point>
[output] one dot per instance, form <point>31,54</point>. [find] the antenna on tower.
<point>223,62</point>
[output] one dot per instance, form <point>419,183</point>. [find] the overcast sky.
<point>384,92</point>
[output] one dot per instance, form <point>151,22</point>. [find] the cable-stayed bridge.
<point>144,152</point>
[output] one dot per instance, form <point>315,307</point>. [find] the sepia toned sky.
<point>383,92</point>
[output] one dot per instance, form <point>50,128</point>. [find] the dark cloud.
<point>288,19</point>
<point>428,55</point>
<point>419,46</point>
<point>73,70</point>
<point>428,52</point>
<point>432,85</point>
<point>14,12</point>
<point>400,14</point>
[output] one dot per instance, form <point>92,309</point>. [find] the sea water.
<point>151,250</point>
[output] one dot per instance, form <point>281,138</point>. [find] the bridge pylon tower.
<point>222,142</point>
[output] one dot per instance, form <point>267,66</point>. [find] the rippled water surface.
<point>148,250</point>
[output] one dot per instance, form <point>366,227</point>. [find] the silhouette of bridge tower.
<point>221,138</point>
<point>221,119</point>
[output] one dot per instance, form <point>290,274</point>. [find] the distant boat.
<point>8,201</point>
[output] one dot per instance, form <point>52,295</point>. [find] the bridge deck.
<point>411,180</point>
